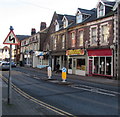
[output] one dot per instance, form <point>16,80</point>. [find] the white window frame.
<point>91,36</point>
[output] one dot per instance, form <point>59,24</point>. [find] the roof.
<point>86,11</point>
<point>109,3</point>
<point>60,16</point>
<point>22,37</point>
<point>70,17</point>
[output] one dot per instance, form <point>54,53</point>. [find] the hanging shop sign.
<point>75,52</point>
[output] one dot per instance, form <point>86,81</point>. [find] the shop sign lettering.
<point>75,52</point>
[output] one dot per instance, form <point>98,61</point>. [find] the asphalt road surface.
<point>77,98</point>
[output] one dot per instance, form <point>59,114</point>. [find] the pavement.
<point>22,106</point>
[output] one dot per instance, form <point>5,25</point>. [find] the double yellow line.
<point>54,109</point>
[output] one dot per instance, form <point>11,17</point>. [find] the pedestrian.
<point>57,67</point>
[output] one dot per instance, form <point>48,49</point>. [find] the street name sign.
<point>11,39</point>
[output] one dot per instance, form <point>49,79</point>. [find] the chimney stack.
<point>33,31</point>
<point>42,25</point>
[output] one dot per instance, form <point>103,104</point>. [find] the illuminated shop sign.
<point>75,52</point>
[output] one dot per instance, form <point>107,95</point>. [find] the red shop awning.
<point>101,52</point>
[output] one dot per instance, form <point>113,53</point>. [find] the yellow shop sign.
<point>75,52</point>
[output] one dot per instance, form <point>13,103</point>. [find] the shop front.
<point>58,58</point>
<point>76,62</point>
<point>40,59</point>
<point>100,62</point>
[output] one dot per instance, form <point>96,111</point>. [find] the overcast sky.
<point>26,14</point>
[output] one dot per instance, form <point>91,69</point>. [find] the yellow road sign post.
<point>64,76</point>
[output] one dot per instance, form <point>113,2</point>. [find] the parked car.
<point>5,66</point>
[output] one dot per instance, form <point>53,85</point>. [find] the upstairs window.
<point>78,18</point>
<point>63,41</point>
<point>56,25</point>
<point>93,35</point>
<point>84,16</point>
<point>81,38</point>
<point>104,33</point>
<point>54,43</point>
<point>101,10</point>
<point>73,39</point>
<point>65,22</point>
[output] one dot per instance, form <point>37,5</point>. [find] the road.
<point>77,97</point>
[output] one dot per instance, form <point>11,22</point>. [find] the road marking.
<point>85,87</point>
<point>50,107</point>
<point>96,90</point>
<point>36,77</point>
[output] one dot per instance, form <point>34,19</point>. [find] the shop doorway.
<point>73,66</point>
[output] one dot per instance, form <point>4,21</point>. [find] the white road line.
<point>95,90</point>
<point>36,77</point>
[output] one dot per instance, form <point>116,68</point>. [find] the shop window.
<point>81,64</point>
<point>102,65</point>
<point>70,63</point>
<point>96,64</point>
<point>108,65</point>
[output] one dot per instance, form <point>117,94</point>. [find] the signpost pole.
<point>11,39</point>
<point>9,80</point>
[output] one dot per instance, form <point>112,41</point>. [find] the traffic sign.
<point>64,69</point>
<point>11,39</point>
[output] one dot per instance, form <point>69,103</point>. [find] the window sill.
<point>103,44</point>
<point>93,45</point>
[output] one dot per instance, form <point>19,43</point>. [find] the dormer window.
<point>84,16</point>
<point>81,16</point>
<point>78,18</point>
<point>65,22</point>
<point>101,10</point>
<point>56,25</point>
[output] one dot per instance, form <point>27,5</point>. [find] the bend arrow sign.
<point>11,39</point>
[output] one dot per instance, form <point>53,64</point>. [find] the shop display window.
<point>108,65</point>
<point>81,64</point>
<point>96,64</point>
<point>102,65</point>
